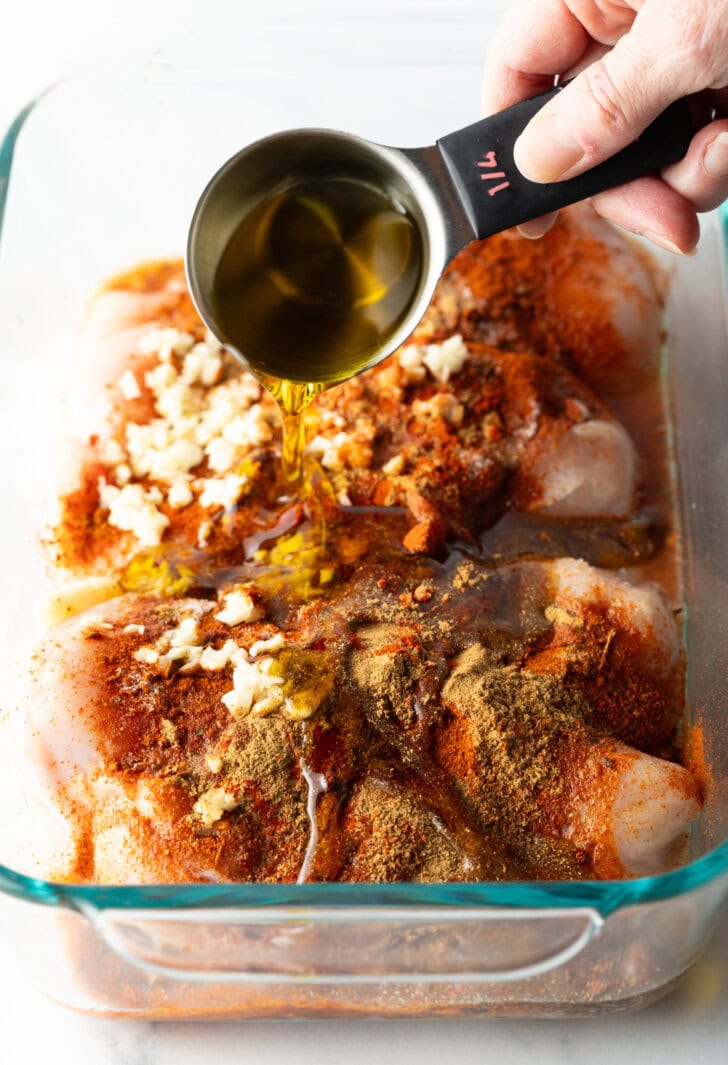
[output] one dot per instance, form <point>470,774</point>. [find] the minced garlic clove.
<point>129,386</point>
<point>238,607</point>
<point>212,804</point>
<point>147,655</point>
<point>274,643</point>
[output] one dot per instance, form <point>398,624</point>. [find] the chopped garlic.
<point>162,376</point>
<point>253,684</point>
<point>165,343</point>
<point>212,804</point>
<point>221,454</point>
<point>179,494</point>
<point>111,452</point>
<point>442,405</point>
<point>394,466</point>
<point>181,644</point>
<point>267,705</point>
<point>444,360</point>
<point>215,660</point>
<point>302,705</point>
<point>214,762</point>
<point>330,451</point>
<point>129,386</point>
<point>133,510</point>
<point>222,491</point>
<point>238,656</point>
<point>147,655</point>
<point>133,630</point>
<point>203,364</point>
<point>239,607</point>
<point>203,533</point>
<point>155,451</point>
<point>186,632</point>
<point>238,702</point>
<point>274,643</point>
<point>249,429</point>
<point>410,361</point>
<point>122,474</point>
<point>189,654</point>
<point>198,418</point>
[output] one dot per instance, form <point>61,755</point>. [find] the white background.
<point>40,41</point>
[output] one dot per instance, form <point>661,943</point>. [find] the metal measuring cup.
<point>463,188</point>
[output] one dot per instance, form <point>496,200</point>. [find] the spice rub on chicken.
<point>439,722</point>
<point>407,675</point>
<point>583,295</point>
<point>457,433</point>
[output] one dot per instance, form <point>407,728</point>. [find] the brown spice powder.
<point>397,837</point>
<point>516,722</point>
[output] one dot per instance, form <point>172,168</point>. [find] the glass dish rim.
<point>604,896</point>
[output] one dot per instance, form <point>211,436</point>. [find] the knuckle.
<point>603,20</point>
<point>605,101</point>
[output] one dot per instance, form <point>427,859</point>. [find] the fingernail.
<point>663,242</point>
<point>715,159</point>
<point>546,149</point>
<point>537,227</point>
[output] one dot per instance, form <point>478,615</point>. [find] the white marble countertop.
<point>41,42</point>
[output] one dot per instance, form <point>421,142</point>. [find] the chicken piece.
<point>555,775</point>
<point>618,641</point>
<point>111,753</point>
<point>506,430</point>
<point>584,293</point>
<point>580,471</point>
<point>115,324</point>
<point>241,738</point>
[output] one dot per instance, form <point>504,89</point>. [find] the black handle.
<point>496,195</point>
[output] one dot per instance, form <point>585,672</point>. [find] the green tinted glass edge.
<point>7,149</point>
<point>605,896</point>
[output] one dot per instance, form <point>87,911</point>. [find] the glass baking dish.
<point>103,171</point>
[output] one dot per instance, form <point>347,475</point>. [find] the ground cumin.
<point>385,678</point>
<point>260,768</point>
<point>505,734</point>
<point>395,836</point>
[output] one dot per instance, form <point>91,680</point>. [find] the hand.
<point>629,59</point>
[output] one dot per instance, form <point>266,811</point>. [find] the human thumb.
<point>606,107</point>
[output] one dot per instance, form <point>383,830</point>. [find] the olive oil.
<point>312,285</point>
<point>292,398</point>
<point>316,279</point>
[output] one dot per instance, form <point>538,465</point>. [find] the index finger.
<point>535,40</point>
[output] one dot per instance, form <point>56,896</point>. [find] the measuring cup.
<point>463,188</point>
